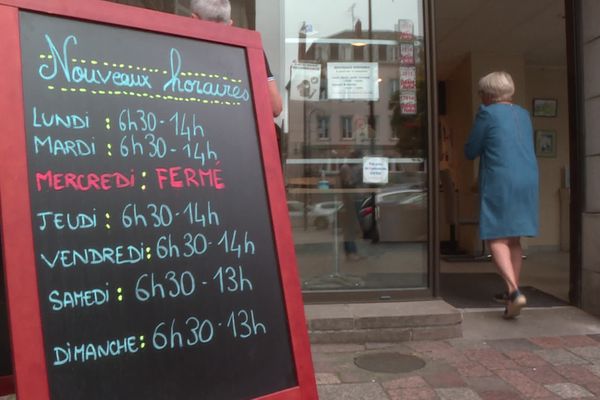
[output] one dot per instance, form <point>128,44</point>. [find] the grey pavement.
<point>547,353</point>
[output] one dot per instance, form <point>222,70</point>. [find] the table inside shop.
<point>333,194</point>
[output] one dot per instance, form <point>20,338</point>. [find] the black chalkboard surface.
<point>155,258</point>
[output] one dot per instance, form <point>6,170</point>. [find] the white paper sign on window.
<point>352,81</point>
<point>405,29</point>
<point>375,170</point>
<point>408,78</point>
<point>407,54</point>
<point>408,103</point>
<point>305,82</point>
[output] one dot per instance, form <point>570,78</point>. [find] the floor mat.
<point>476,290</point>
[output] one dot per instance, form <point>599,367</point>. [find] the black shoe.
<point>516,301</point>
<point>501,298</point>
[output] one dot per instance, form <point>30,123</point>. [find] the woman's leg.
<point>502,256</point>
<point>507,256</point>
<point>516,257</point>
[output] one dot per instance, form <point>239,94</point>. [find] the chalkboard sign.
<point>156,261</point>
<point>5,355</point>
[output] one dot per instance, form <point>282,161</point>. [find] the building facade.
<point>588,135</point>
<point>384,93</point>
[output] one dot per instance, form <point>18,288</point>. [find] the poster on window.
<point>408,78</point>
<point>375,170</point>
<point>352,81</point>
<point>305,82</point>
<point>408,103</point>
<point>406,29</point>
<point>407,54</point>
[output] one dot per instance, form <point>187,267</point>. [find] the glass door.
<point>354,147</point>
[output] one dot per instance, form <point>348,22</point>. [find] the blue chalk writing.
<point>231,279</point>
<point>151,145</point>
<point>172,285</point>
<point>52,120</point>
<point>177,85</point>
<point>85,352</point>
<point>243,325</point>
<point>70,221</point>
<point>140,120</point>
<point>201,152</point>
<point>193,245</point>
<point>230,244</point>
<point>185,128</point>
<point>196,216</point>
<point>63,147</point>
<point>116,255</point>
<point>78,298</point>
<point>78,74</point>
<point>174,336</point>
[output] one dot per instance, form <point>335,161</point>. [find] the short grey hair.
<point>212,10</point>
<point>498,85</point>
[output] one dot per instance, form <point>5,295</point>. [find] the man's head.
<point>212,10</point>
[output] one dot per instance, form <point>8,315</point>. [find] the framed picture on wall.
<point>544,107</point>
<point>545,143</point>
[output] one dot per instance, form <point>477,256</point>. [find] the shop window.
<point>392,53</point>
<point>382,52</point>
<point>323,128</point>
<point>322,52</point>
<point>346,125</point>
<point>394,133</point>
<point>374,51</point>
<point>334,52</point>
<point>359,53</point>
<point>346,52</point>
<point>394,86</point>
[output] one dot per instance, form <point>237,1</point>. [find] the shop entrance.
<point>528,40</point>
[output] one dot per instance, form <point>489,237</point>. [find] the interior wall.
<point>550,83</point>
<point>459,117</point>
<point>458,120</point>
<point>462,104</point>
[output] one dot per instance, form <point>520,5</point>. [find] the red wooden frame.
<point>22,294</point>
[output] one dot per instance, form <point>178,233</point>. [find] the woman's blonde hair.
<point>498,85</point>
<point>212,10</point>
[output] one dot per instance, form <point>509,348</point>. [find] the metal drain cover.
<point>389,362</point>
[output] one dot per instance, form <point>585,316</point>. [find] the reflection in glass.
<point>355,154</point>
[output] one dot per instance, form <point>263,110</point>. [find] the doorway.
<point>528,40</point>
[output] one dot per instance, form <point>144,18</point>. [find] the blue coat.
<point>502,137</point>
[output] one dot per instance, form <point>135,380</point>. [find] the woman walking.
<point>502,138</point>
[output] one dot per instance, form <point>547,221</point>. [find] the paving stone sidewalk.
<point>541,368</point>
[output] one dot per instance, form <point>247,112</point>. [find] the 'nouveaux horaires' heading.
<point>60,63</point>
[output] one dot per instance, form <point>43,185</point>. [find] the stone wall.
<point>590,36</point>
